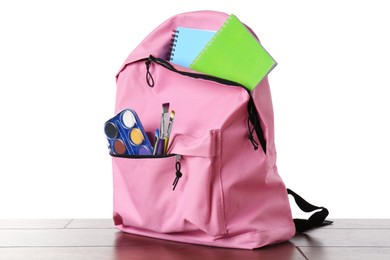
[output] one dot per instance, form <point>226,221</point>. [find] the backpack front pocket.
<point>143,194</point>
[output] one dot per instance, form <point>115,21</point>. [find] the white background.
<point>58,61</point>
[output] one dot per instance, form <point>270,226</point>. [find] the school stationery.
<point>156,138</point>
<point>126,136</point>
<point>165,108</point>
<point>159,147</point>
<point>186,43</point>
<point>168,132</point>
<point>235,54</point>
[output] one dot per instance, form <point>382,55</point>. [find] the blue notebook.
<point>187,43</point>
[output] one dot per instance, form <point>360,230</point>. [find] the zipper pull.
<point>252,139</point>
<point>251,119</point>
<point>178,173</point>
<point>149,77</point>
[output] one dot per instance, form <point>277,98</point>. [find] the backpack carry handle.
<point>317,219</point>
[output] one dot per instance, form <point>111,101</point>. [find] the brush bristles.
<point>170,123</point>
<point>165,107</point>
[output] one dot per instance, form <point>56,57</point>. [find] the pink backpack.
<point>214,187</point>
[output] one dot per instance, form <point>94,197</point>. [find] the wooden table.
<point>96,239</point>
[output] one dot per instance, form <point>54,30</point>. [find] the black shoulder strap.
<point>315,220</point>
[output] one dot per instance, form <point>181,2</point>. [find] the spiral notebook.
<point>235,54</point>
<point>187,43</point>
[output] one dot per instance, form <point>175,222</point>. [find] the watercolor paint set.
<point>126,135</point>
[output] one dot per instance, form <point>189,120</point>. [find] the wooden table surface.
<point>97,239</point>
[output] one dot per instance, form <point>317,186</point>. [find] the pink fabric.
<point>230,195</point>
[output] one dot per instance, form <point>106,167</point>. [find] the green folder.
<point>234,54</point>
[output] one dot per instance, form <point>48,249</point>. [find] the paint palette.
<point>126,135</point>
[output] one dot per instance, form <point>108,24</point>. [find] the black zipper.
<point>169,66</point>
<point>142,156</point>
<point>253,116</point>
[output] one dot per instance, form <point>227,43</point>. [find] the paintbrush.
<point>156,137</point>
<point>165,108</point>
<point>168,132</point>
